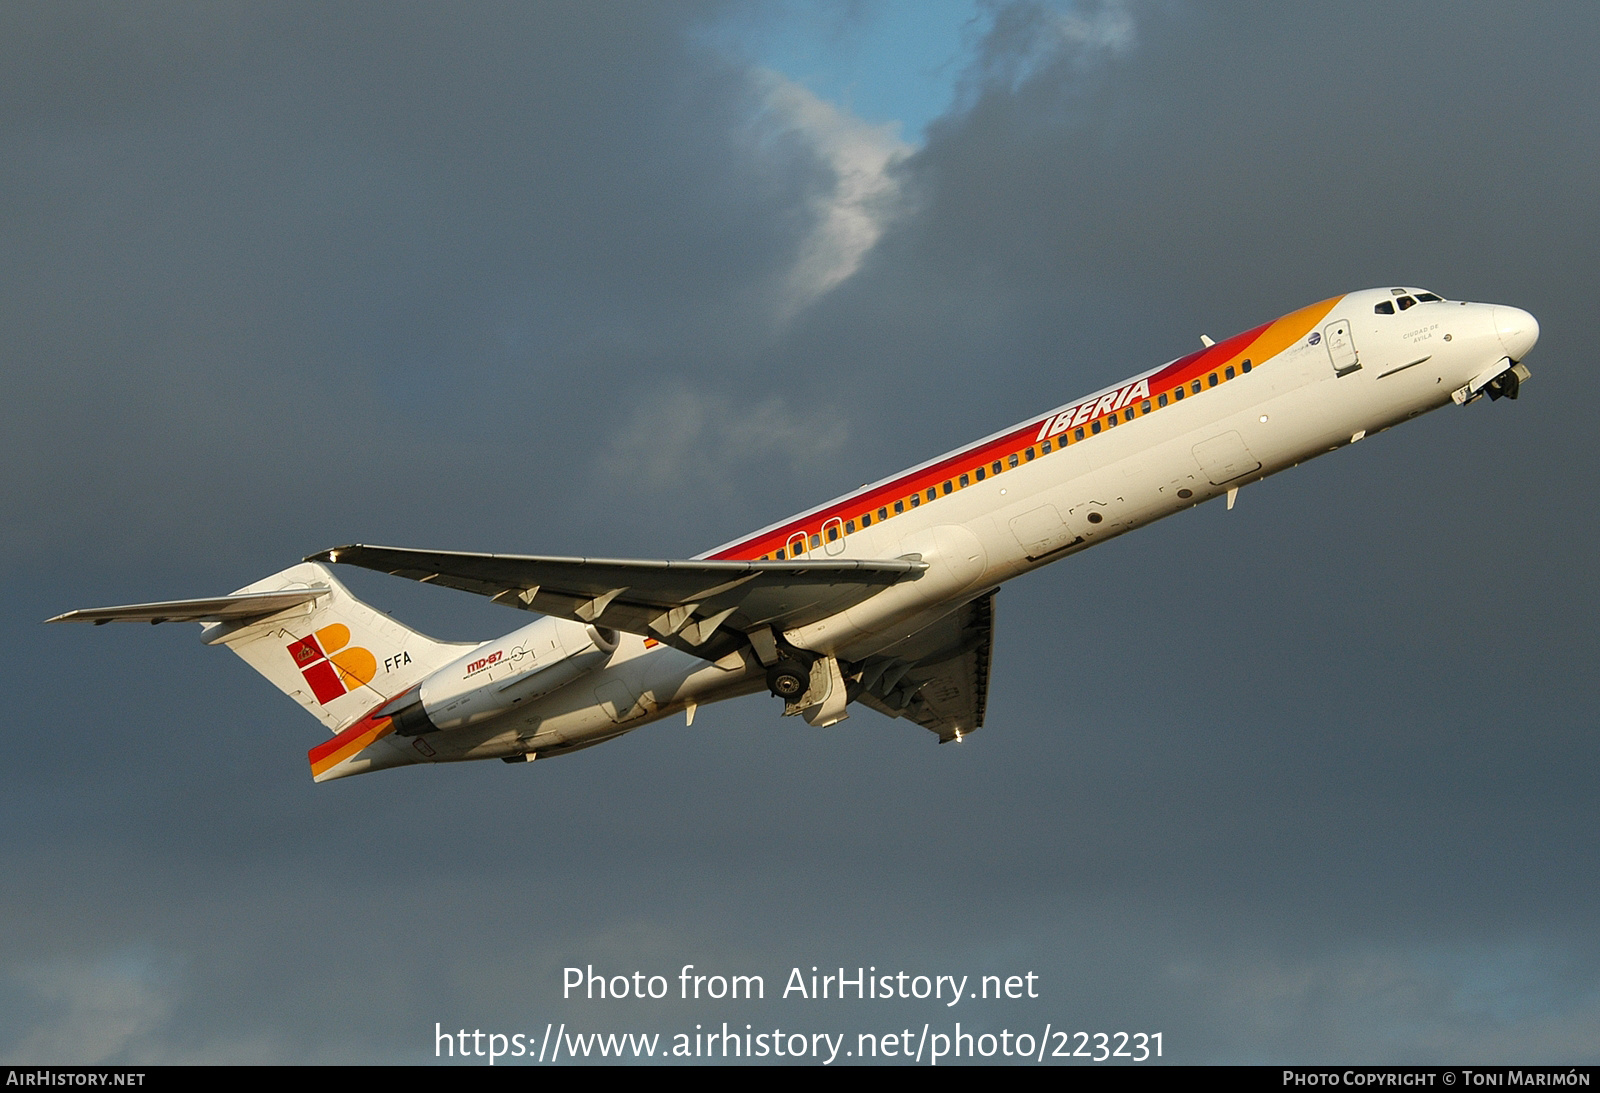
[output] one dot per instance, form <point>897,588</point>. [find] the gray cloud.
<point>1307,780</point>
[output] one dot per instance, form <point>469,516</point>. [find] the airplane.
<point>883,597</point>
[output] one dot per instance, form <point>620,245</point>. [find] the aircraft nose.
<point>1517,329</point>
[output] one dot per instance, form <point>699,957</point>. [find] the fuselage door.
<point>833,536</point>
<point>1341,347</point>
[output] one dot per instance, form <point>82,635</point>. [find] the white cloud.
<point>1108,28</point>
<point>850,217</point>
<point>685,441</point>
<point>1026,38</point>
<point>87,1012</point>
<point>1509,1004</point>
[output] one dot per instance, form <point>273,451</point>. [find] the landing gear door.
<point>1341,347</point>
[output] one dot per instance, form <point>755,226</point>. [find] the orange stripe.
<point>1283,333</point>
<point>353,740</point>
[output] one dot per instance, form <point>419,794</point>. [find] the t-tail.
<point>339,658</point>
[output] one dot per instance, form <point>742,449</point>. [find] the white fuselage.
<point>1346,371</point>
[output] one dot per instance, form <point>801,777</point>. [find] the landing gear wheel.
<point>788,680</point>
<point>1504,385</point>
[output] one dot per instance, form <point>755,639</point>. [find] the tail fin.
<point>334,655</point>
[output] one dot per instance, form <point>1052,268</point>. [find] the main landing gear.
<point>788,679</point>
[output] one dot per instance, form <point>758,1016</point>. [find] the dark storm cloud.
<point>1282,781</point>
<point>305,246</point>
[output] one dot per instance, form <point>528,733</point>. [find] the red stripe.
<point>1183,370</point>
<point>366,724</point>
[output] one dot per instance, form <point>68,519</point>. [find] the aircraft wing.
<point>939,676</point>
<point>701,607</point>
<point>239,606</point>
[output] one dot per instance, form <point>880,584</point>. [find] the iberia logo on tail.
<point>331,669</point>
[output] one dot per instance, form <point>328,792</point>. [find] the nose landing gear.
<point>1498,382</point>
<point>1505,385</point>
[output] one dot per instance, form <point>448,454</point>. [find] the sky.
<point>1311,780</point>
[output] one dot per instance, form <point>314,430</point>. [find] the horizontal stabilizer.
<point>235,608</point>
<point>337,657</point>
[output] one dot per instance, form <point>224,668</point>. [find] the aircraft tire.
<point>788,680</point>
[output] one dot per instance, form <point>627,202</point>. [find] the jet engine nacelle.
<point>498,676</point>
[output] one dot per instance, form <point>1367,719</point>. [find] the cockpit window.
<point>1405,302</point>
<point>1384,308</point>
<point>1429,298</point>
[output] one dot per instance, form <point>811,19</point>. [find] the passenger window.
<point>1028,455</point>
<point>1044,449</point>
<point>1211,381</point>
<point>1162,400</point>
<point>980,472</point>
<point>1178,394</point>
<point>997,466</point>
<point>899,507</point>
<point>949,488</point>
<point>1195,386</point>
<point>866,519</point>
<point>964,482</point>
<point>780,555</point>
<point>1383,307</point>
<point>849,527</point>
<point>1094,426</point>
<point>916,499</point>
<point>883,513</point>
<point>1112,420</point>
<point>1245,367</point>
<point>1227,373</point>
<point>1406,302</point>
<point>1144,407</point>
<point>1011,460</point>
<point>816,541</point>
<point>833,534</point>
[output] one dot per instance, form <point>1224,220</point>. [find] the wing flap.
<point>679,603</point>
